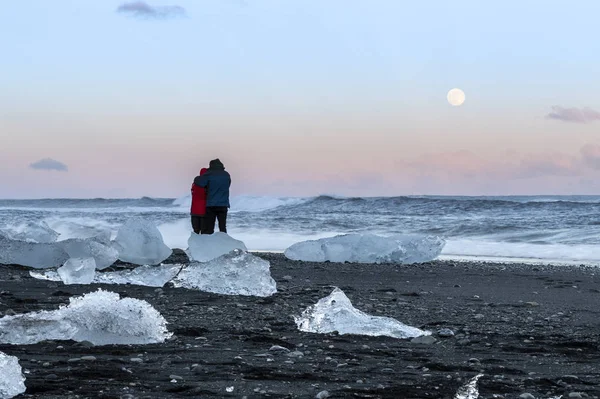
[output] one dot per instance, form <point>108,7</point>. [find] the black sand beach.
<point>532,331</point>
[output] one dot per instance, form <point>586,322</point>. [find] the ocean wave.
<point>246,203</point>
<point>544,253</point>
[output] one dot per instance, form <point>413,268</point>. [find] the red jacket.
<point>198,198</point>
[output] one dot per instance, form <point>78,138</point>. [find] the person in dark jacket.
<point>198,210</point>
<point>217,182</point>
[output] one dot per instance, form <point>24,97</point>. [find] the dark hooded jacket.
<point>217,182</point>
<point>199,198</point>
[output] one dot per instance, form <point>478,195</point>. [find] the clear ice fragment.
<point>336,313</point>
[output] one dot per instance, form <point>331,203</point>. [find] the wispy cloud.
<point>49,164</point>
<point>141,9</point>
<point>575,115</point>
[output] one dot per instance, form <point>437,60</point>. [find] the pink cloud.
<point>575,115</point>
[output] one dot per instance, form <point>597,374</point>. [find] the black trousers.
<point>197,223</point>
<point>214,213</point>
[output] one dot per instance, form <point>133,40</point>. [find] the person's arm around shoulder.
<point>201,181</point>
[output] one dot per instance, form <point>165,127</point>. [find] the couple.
<point>210,198</point>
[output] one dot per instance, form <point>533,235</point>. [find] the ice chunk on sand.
<point>103,254</point>
<point>368,248</point>
<point>100,317</point>
<point>139,242</point>
<point>44,255</point>
<point>236,273</point>
<point>77,271</point>
<point>31,254</point>
<point>150,276</point>
<point>38,232</point>
<point>206,247</point>
<point>12,381</point>
<point>49,275</point>
<point>469,390</point>
<point>336,313</point>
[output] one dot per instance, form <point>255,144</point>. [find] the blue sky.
<point>299,97</point>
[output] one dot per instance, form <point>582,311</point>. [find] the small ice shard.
<point>336,313</point>
<point>368,248</point>
<point>150,276</point>
<point>38,232</point>
<point>12,381</point>
<point>236,273</point>
<point>469,390</point>
<point>78,271</point>
<point>206,247</point>
<point>103,254</point>
<point>140,242</point>
<point>31,254</point>
<point>100,317</point>
<point>50,275</point>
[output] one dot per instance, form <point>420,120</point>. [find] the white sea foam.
<point>520,251</point>
<point>177,233</point>
<point>81,227</point>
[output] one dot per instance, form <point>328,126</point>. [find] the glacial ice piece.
<point>206,247</point>
<point>139,242</point>
<point>12,381</point>
<point>31,254</point>
<point>54,254</point>
<point>368,248</point>
<point>236,273</point>
<point>77,271</point>
<point>103,254</point>
<point>336,313</point>
<point>150,276</point>
<point>100,317</point>
<point>469,390</point>
<point>38,232</point>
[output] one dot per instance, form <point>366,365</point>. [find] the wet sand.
<point>529,329</point>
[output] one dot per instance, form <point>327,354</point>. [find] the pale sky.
<point>102,98</point>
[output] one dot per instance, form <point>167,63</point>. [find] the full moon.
<point>456,97</point>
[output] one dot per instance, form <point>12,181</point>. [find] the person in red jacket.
<point>198,210</point>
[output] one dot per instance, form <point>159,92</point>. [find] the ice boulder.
<point>150,276</point>
<point>31,254</point>
<point>139,242</point>
<point>100,317</point>
<point>38,232</point>
<point>236,273</point>
<point>104,255</point>
<point>12,381</point>
<point>368,248</point>
<point>336,313</point>
<point>77,271</point>
<point>206,247</point>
